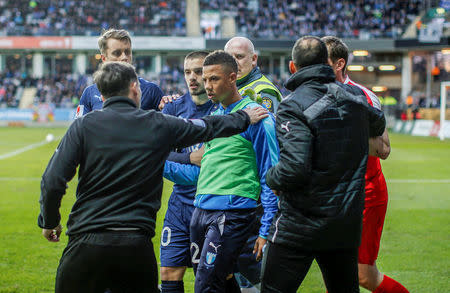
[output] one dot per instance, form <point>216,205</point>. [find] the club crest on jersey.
<point>267,103</point>
<point>210,257</point>
<point>79,112</point>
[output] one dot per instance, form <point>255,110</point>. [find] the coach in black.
<point>323,133</point>
<point>121,151</point>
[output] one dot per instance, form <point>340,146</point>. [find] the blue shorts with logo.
<point>175,240</point>
<point>217,238</point>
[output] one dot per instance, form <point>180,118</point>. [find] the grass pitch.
<point>415,245</point>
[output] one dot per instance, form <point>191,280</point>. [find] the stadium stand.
<point>347,19</point>
<point>256,19</point>
<point>66,18</point>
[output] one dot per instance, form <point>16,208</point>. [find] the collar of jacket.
<point>319,72</point>
<point>252,76</point>
<point>119,100</point>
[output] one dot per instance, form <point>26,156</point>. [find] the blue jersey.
<point>262,136</point>
<point>91,98</point>
<point>184,107</point>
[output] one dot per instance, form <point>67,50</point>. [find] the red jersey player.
<point>376,191</point>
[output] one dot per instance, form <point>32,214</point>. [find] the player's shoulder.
<point>374,100</point>
<point>353,89</point>
<point>183,99</point>
<point>90,93</point>
<point>92,89</point>
<point>180,103</point>
<point>145,84</point>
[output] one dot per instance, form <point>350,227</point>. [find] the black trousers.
<point>110,261</point>
<point>284,269</point>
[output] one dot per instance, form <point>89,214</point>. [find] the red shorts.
<point>373,221</point>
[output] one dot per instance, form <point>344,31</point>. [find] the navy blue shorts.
<point>175,240</point>
<point>217,238</point>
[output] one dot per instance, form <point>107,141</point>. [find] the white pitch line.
<point>20,178</point>
<point>27,148</point>
<point>418,180</point>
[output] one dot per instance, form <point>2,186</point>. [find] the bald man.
<point>249,75</point>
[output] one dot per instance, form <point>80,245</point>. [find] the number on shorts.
<point>195,253</point>
<point>169,233</point>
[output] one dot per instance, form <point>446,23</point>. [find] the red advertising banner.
<point>35,42</point>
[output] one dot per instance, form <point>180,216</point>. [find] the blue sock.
<point>172,287</point>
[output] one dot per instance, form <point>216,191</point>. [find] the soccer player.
<point>375,189</point>
<point>249,75</point>
<point>231,180</point>
<point>175,243</point>
<point>115,45</point>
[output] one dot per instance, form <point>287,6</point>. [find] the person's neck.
<point>341,77</point>
<point>200,99</point>
<point>233,98</point>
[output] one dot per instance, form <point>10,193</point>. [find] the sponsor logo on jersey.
<point>80,111</point>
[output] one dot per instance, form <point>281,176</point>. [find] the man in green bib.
<point>230,183</point>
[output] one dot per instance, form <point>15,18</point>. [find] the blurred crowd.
<point>62,90</point>
<point>345,18</point>
<point>254,18</point>
<point>83,17</point>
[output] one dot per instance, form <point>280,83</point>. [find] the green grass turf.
<point>414,248</point>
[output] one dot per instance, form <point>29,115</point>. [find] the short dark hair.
<point>220,57</point>
<point>197,55</point>
<point>114,78</point>
<point>121,35</point>
<point>309,50</point>
<point>336,48</point>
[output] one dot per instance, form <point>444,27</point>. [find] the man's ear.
<point>233,77</point>
<point>254,60</point>
<point>133,87</point>
<point>340,64</point>
<point>103,57</point>
<point>292,67</point>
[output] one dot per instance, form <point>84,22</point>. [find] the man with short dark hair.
<point>230,197</point>
<point>376,195</point>
<point>231,180</point>
<point>323,133</point>
<point>120,157</point>
<point>115,45</point>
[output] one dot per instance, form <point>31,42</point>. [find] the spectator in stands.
<point>256,19</point>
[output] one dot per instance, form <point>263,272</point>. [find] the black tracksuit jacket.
<point>120,151</point>
<point>323,133</point>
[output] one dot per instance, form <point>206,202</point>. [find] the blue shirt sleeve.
<point>262,135</point>
<point>151,95</point>
<point>182,174</point>
<point>85,104</point>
